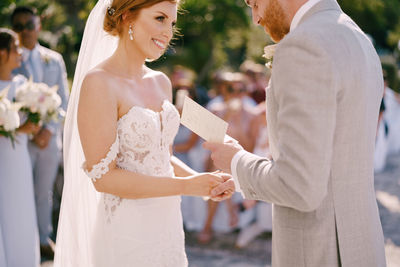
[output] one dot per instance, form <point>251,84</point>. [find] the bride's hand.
<point>201,184</point>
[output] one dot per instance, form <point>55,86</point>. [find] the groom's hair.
<point>113,17</point>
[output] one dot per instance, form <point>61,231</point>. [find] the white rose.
<point>3,110</point>
<point>11,120</point>
<point>29,95</point>
<point>54,101</point>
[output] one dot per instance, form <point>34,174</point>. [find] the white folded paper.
<point>202,122</point>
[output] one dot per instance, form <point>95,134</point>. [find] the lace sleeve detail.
<point>101,168</point>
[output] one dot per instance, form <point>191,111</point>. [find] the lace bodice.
<point>144,139</point>
<point>130,230</point>
<point>142,143</point>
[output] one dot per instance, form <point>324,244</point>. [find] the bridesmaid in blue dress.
<point>19,240</point>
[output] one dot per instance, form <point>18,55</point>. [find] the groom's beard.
<point>274,21</point>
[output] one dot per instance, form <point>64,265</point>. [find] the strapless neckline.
<point>165,101</point>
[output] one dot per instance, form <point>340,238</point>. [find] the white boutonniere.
<point>46,59</point>
<point>269,52</point>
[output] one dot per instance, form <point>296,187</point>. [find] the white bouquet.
<point>39,101</point>
<point>9,118</point>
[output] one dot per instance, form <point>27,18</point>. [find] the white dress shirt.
<point>295,22</point>
<point>33,62</point>
<point>301,12</point>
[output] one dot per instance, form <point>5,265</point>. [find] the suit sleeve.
<point>62,82</point>
<point>305,93</point>
<point>62,91</point>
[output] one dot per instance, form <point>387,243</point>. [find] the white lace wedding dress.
<point>144,232</point>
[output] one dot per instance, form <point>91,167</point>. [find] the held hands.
<point>215,185</point>
<point>224,190</point>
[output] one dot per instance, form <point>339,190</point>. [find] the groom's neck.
<point>291,7</point>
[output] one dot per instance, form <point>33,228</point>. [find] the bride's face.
<point>153,29</point>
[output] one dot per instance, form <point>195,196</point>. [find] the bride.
<point>122,206</point>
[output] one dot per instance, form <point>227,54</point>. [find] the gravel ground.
<point>221,252</point>
<point>387,187</point>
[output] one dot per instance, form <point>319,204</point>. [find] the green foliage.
<point>379,18</point>
<point>215,34</point>
<point>392,75</point>
<point>63,23</point>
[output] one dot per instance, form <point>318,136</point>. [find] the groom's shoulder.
<point>326,27</point>
<point>49,54</point>
<point>329,31</point>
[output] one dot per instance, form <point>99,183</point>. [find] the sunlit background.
<point>218,35</point>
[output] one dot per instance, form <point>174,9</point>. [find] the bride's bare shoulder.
<point>97,76</point>
<point>97,87</point>
<point>161,79</point>
<point>97,81</point>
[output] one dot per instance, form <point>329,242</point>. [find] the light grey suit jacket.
<point>322,111</point>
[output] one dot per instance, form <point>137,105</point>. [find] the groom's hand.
<point>224,190</point>
<point>222,154</point>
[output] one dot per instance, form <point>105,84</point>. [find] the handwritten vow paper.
<point>202,122</point>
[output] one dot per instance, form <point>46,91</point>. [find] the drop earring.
<point>130,32</point>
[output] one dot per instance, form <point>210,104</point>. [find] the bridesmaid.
<point>19,240</point>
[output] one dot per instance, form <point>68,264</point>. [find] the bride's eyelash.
<point>160,18</point>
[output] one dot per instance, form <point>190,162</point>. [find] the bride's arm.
<point>181,169</point>
<point>97,123</point>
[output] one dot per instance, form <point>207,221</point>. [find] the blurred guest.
<point>392,117</point>
<point>235,107</point>
<point>226,83</point>
<point>43,66</point>
<point>258,76</point>
<point>185,139</point>
<point>180,73</point>
<point>185,143</point>
<point>19,242</point>
<point>381,143</point>
<point>263,214</point>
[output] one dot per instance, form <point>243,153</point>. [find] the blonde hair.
<point>113,17</point>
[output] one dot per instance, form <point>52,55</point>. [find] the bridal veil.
<point>79,199</point>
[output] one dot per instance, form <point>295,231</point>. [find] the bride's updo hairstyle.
<point>113,16</point>
<point>7,37</point>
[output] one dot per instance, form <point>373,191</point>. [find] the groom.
<point>323,104</point>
